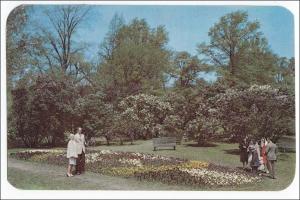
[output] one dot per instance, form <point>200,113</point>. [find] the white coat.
<point>72,149</point>
<point>80,143</point>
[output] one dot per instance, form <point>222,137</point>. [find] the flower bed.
<point>148,167</point>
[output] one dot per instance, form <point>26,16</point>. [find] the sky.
<point>187,25</point>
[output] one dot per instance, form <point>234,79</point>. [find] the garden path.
<point>89,180</point>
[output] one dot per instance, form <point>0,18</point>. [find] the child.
<point>71,154</point>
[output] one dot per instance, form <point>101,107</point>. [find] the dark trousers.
<point>271,167</point>
<point>80,163</point>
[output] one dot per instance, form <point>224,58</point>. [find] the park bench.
<point>164,142</point>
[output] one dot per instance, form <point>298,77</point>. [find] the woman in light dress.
<point>255,163</point>
<point>71,154</point>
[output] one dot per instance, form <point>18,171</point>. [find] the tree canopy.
<point>54,86</point>
<point>240,51</point>
<point>136,59</point>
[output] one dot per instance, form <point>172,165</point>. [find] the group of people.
<point>260,155</point>
<point>76,153</point>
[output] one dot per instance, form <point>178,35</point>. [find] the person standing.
<point>263,144</point>
<point>80,143</point>
<point>251,149</point>
<point>255,157</point>
<point>71,154</point>
<point>271,150</point>
<point>243,152</point>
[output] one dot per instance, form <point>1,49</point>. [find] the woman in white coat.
<point>71,154</point>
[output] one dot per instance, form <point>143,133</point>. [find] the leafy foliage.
<point>258,111</point>
<point>55,87</point>
<point>135,61</point>
<point>239,51</point>
<point>147,111</point>
<point>43,110</point>
<point>186,69</point>
<point>94,114</point>
<point>17,43</point>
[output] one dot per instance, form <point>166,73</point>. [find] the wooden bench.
<point>164,142</point>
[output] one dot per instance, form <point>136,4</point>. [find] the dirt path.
<point>53,177</point>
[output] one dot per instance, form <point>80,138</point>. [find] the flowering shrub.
<point>148,167</point>
<point>55,157</point>
<point>172,126</point>
<point>147,111</point>
<point>258,111</point>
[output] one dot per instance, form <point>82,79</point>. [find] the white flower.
<point>134,162</point>
<point>105,151</point>
<point>213,177</point>
<point>43,151</point>
<point>93,157</point>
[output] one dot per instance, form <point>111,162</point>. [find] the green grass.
<point>222,153</point>
<point>210,154</point>
<point>31,181</point>
<point>38,176</point>
<point>34,181</point>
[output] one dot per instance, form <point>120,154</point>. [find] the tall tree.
<point>17,52</point>
<point>109,44</point>
<point>256,63</point>
<point>138,60</point>
<point>285,76</point>
<point>187,69</point>
<point>228,37</point>
<point>16,43</point>
<point>59,51</point>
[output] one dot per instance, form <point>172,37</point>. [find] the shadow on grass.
<point>232,151</point>
<point>111,144</point>
<point>202,145</point>
<point>161,149</point>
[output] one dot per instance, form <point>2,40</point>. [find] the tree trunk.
<point>53,143</point>
<point>107,141</point>
<point>232,61</point>
<point>201,140</point>
<point>131,139</point>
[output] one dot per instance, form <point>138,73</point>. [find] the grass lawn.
<point>38,176</point>
<point>221,153</point>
